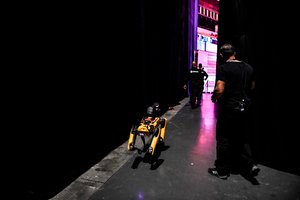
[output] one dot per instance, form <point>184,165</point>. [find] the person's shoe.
<point>254,170</point>
<point>214,172</point>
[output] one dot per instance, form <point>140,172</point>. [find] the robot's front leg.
<point>132,138</point>
<point>159,136</point>
<point>163,129</point>
<point>154,141</point>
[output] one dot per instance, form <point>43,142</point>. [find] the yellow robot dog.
<point>151,126</point>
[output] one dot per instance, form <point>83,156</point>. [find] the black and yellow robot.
<point>152,127</point>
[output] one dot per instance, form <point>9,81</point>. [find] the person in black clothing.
<point>204,76</point>
<point>233,90</point>
<point>196,79</point>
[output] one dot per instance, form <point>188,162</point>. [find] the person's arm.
<point>206,75</point>
<point>218,91</point>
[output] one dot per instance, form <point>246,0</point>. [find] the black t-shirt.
<point>238,77</point>
<point>196,77</point>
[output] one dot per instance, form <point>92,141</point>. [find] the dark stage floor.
<point>180,171</point>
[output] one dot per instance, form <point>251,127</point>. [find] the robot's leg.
<point>132,138</point>
<point>154,141</point>
<point>163,129</point>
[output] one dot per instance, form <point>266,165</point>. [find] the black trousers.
<point>232,135</point>
<point>195,95</point>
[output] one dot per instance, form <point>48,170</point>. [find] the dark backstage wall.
<point>257,30</point>
<point>85,72</point>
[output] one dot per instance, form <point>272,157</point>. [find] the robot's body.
<point>151,126</point>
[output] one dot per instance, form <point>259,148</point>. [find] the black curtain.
<point>257,29</point>
<point>88,72</point>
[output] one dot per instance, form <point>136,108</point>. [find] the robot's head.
<point>150,110</point>
<point>154,109</point>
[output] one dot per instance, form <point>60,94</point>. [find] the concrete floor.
<point>180,170</point>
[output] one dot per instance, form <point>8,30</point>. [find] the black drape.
<point>258,30</point>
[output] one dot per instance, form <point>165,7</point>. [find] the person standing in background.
<point>196,77</point>
<point>204,76</point>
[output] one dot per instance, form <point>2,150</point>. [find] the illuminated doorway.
<point>207,39</point>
